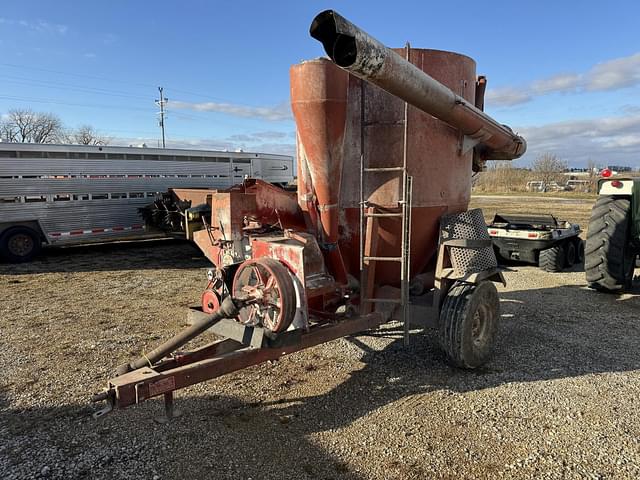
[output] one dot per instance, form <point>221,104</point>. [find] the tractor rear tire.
<point>468,323</point>
<point>552,259</point>
<point>610,258</point>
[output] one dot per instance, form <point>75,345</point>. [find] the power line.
<point>68,87</point>
<point>111,80</point>
<point>71,104</point>
<point>96,77</point>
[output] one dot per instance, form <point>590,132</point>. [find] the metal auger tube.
<point>355,51</point>
<point>228,309</point>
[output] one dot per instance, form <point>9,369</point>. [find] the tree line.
<point>27,126</point>
<point>547,168</point>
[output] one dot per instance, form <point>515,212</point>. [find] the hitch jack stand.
<point>169,411</point>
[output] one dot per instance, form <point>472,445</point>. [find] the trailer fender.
<point>34,225</point>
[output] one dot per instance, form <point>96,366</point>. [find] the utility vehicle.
<point>544,240</point>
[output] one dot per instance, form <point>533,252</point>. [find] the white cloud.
<point>610,75</point>
<point>614,74</point>
<point>564,82</point>
<point>210,144</point>
<point>39,26</point>
<point>109,38</point>
<point>259,136</point>
<point>506,97</point>
<point>604,140</point>
<point>278,112</point>
<point>624,141</point>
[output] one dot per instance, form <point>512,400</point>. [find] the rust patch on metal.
<point>167,384</point>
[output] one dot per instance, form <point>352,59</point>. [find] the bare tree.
<point>593,175</point>
<point>502,177</point>
<point>27,126</point>
<point>87,135</point>
<point>548,168</point>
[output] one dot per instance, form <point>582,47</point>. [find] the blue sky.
<point>566,74</point>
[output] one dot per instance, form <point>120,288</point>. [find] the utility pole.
<point>161,113</point>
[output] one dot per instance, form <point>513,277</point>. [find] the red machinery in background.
<point>387,142</point>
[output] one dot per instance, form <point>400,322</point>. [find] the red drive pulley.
<point>210,301</point>
<point>270,282</point>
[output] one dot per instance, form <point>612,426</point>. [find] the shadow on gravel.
<point>217,438</point>
<point>143,255</point>
<point>507,264</point>
<point>547,334</point>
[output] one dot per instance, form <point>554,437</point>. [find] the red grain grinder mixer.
<point>387,143</point>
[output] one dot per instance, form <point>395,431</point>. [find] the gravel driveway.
<point>560,399</point>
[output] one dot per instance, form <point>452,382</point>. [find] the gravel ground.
<point>560,399</point>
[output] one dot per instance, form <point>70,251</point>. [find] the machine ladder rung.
<point>384,169</point>
<point>383,259</point>
<point>382,215</point>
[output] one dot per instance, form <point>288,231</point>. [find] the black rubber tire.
<point>571,254</point>
<point>457,323</point>
<point>20,244</point>
<point>609,256</point>
<point>552,259</point>
<point>579,251</point>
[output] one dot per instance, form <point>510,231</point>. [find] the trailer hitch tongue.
<point>228,309</point>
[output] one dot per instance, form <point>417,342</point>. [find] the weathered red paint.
<point>319,104</point>
<point>302,256</point>
<point>441,172</point>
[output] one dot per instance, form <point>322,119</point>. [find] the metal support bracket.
<point>254,337</point>
<point>468,142</point>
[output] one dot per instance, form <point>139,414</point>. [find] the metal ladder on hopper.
<point>369,220</point>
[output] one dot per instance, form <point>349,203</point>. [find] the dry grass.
<point>504,178</point>
<point>571,208</point>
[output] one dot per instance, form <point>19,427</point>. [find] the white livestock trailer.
<point>76,194</point>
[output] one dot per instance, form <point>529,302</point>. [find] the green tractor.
<point>613,238</point>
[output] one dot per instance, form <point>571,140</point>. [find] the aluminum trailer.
<point>77,194</point>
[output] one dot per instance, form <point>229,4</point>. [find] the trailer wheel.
<point>468,323</point>
<point>570,254</point>
<point>20,244</point>
<point>277,305</point>
<point>609,259</point>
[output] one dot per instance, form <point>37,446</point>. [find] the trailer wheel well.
<point>32,224</point>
